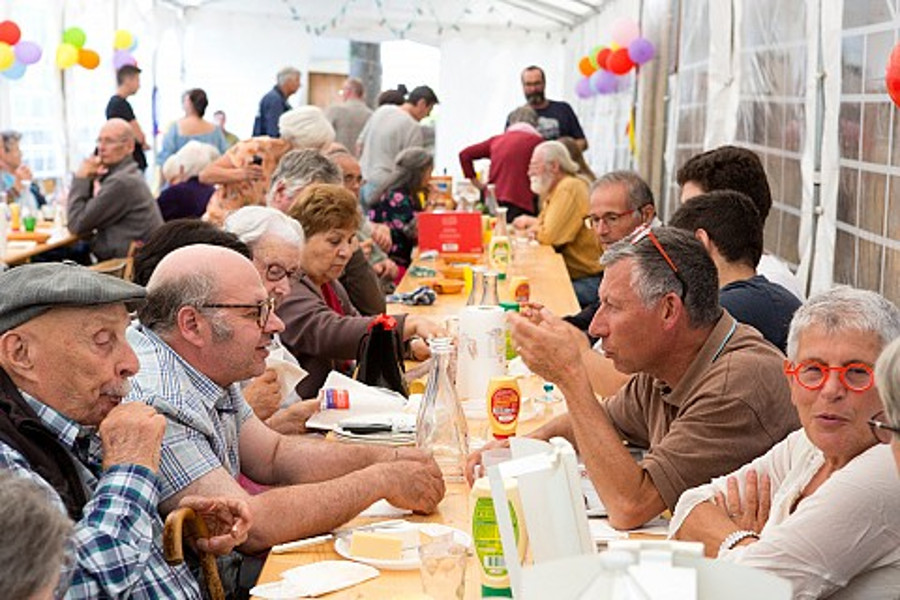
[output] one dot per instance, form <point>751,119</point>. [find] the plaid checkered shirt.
<point>117,542</point>
<point>204,419</point>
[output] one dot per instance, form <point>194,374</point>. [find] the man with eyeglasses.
<point>706,393</point>
<point>822,507</point>
<point>207,325</point>
<point>109,199</point>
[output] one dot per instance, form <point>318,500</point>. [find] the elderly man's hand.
<point>414,484</point>
<point>386,269</point>
<point>90,167</point>
<point>132,434</point>
<point>366,247</point>
<point>263,394</point>
<point>227,519</point>
<point>549,346</point>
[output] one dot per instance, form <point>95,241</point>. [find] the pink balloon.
<point>122,58</point>
<point>641,50</point>
<point>27,53</point>
<point>604,82</point>
<point>583,88</point>
<point>624,31</point>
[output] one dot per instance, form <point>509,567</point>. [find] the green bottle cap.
<point>513,306</point>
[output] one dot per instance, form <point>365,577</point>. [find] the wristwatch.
<point>735,537</point>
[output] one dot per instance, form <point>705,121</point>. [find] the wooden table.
<point>19,252</point>
<point>550,285</point>
<point>547,277</point>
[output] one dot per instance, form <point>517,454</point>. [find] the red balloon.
<point>892,75</point>
<point>603,58</point>
<point>619,62</point>
<point>10,33</point>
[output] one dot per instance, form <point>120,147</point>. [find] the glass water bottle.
<point>441,426</point>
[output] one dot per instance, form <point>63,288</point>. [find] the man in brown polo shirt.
<point>707,393</point>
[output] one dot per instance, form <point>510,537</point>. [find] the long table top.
<point>550,286</point>
<point>18,251</point>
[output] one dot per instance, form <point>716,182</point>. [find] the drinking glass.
<point>443,569</point>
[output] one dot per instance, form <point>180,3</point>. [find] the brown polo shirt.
<point>731,406</point>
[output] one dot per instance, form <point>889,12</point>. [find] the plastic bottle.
<point>14,216</point>
<point>503,402</point>
<point>441,423</point>
<point>500,248</point>
<point>510,347</point>
<point>486,536</point>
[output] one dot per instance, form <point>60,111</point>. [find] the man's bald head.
<point>191,276</point>
<point>115,142</point>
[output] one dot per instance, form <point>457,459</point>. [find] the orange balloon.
<point>88,58</point>
<point>585,66</point>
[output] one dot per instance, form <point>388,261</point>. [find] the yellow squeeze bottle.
<point>14,216</point>
<point>503,402</point>
<point>486,536</point>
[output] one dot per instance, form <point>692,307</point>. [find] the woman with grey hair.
<point>887,380</point>
<point>244,172</point>
<point>276,242</point>
<point>509,154</point>
<point>399,198</point>
<point>186,197</point>
<point>36,534</point>
<point>822,507</point>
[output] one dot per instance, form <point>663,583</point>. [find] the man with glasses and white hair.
<point>207,325</point>
<point>706,392</point>
<point>821,508</point>
<point>109,199</point>
<point>560,223</point>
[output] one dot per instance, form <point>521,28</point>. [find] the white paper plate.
<point>410,558</point>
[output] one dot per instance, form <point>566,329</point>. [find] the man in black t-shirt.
<point>556,119</point>
<point>128,80</point>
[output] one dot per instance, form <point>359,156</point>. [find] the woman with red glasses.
<point>822,507</point>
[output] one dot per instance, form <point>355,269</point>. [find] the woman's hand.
<point>753,511</point>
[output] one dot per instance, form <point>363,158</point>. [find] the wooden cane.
<point>185,520</point>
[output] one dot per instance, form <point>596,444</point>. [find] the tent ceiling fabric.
<point>423,20</point>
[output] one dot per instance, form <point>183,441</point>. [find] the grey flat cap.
<point>31,290</point>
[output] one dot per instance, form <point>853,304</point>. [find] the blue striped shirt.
<point>118,551</point>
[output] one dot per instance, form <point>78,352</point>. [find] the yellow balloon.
<point>122,40</point>
<point>66,56</point>
<point>7,56</point>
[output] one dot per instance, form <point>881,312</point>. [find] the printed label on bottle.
<point>505,405</point>
<point>334,398</point>
<point>486,536</point>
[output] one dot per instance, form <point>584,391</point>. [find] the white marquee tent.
<point>801,82</point>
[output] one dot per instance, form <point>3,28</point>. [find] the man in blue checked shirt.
<point>64,369</point>
<point>206,326</point>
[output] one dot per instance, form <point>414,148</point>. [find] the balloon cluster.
<point>124,43</point>
<point>604,65</point>
<point>15,53</point>
<point>892,75</point>
<point>72,50</point>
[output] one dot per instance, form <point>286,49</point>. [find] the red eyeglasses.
<point>856,377</point>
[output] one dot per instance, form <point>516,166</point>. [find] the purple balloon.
<point>15,71</point>
<point>583,88</point>
<point>122,58</point>
<point>27,53</point>
<point>603,82</point>
<point>641,50</point>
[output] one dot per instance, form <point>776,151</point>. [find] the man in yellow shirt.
<point>560,223</point>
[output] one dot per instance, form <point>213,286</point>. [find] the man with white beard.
<point>561,221</point>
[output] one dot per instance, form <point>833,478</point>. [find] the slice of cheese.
<point>369,544</point>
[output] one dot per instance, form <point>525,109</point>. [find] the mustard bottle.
<point>486,536</point>
<point>503,402</point>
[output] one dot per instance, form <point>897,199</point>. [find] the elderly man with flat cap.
<point>64,369</point>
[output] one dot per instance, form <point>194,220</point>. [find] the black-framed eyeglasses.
<point>611,218</point>
<point>881,430</point>
<point>264,309</point>
<point>645,231</point>
<point>276,272</point>
<point>856,377</point>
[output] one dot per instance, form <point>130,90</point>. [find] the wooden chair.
<point>117,267</point>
